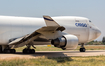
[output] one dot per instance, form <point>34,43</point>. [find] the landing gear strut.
<point>28,50</point>
<point>82,49</point>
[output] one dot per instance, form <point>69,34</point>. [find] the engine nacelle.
<point>66,42</point>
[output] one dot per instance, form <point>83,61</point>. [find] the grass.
<point>59,61</point>
<point>52,48</point>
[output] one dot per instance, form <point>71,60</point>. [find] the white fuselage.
<point>14,27</point>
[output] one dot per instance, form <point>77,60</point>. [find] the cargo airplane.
<point>64,32</point>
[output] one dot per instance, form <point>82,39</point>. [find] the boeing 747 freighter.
<point>64,32</point>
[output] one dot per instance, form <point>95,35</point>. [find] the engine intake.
<point>66,42</point>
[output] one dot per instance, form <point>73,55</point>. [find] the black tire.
<point>28,51</point>
<point>0,51</point>
<point>12,51</point>
<point>24,51</point>
<point>4,50</point>
<point>7,51</point>
<point>32,51</point>
<point>82,49</point>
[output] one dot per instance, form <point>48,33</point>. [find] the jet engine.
<point>66,42</point>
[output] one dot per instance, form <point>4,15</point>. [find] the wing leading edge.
<point>52,30</point>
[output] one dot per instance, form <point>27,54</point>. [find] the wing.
<point>52,30</point>
<point>50,22</point>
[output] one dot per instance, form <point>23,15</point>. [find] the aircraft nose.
<point>98,33</point>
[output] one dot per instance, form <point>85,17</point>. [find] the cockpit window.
<point>89,20</point>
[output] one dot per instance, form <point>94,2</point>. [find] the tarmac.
<point>53,54</point>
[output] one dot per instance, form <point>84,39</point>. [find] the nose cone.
<point>98,33</point>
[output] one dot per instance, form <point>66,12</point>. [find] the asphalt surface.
<point>53,54</point>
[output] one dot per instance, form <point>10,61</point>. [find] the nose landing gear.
<point>82,49</point>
